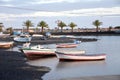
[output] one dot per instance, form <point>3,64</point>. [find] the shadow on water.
<point>66,69</point>
<point>37,57</point>
<point>74,64</point>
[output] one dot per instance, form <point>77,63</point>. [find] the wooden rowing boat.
<point>82,57</point>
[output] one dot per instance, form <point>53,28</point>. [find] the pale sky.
<point>82,12</point>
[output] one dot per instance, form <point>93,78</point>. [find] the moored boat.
<point>77,41</point>
<point>73,52</point>
<point>22,38</point>
<point>28,46</point>
<point>62,36</point>
<point>66,45</point>
<point>6,45</point>
<point>80,57</point>
<point>38,52</point>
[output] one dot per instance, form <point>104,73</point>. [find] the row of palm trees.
<point>60,24</point>
<point>43,25</point>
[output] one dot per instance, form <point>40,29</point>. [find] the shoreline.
<point>13,66</point>
<point>103,77</point>
<point>37,40</point>
<point>108,33</point>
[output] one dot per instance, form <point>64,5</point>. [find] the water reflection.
<point>75,64</point>
<point>48,61</point>
<point>70,69</point>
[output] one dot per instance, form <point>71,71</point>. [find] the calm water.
<point>61,70</point>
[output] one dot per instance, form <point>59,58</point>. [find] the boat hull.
<point>40,52</point>
<point>66,45</point>
<point>24,39</point>
<point>6,45</point>
<point>81,57</point>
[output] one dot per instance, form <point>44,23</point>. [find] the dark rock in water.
<point>87,39</point>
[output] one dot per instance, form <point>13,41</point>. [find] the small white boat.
<point>22,38</point>
<point>72,52</point>
<point>37,35</point>
<point>27,46</point>
<point>39,52</point>
<point>80,57</point>
<point>66,45</point>
<point>62,36</point>
<point>77,41</point>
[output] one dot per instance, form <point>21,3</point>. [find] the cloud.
<point>33,2</point>
<point>51,1</point>
<point>95,11</point>
<point>6,0</point>
<point>93,0</point>
<point>37,2</point>
<point>7,5</point>
<point>59,1</point>
<point>114,11</point>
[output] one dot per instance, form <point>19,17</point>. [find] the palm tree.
<point>1,27</point>
<point>97,23</point>
<point>61,25</point>
<point>28,24</point>
<point>72,25</point>
<point>42,24</point>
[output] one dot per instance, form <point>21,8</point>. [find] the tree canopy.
<point>42,24</point>
<point>61,25</point>
<point>28,24</point>
<point>97,23</point>
<point>72,25</point>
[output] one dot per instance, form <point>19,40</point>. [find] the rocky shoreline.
<point>38,40</point>
<point>13,66</point>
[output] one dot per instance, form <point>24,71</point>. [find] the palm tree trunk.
<point>42,30</point>
<point>27,29</point>
<point>61,29</point>
<point>96,28</point>
<point>72,29</point>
